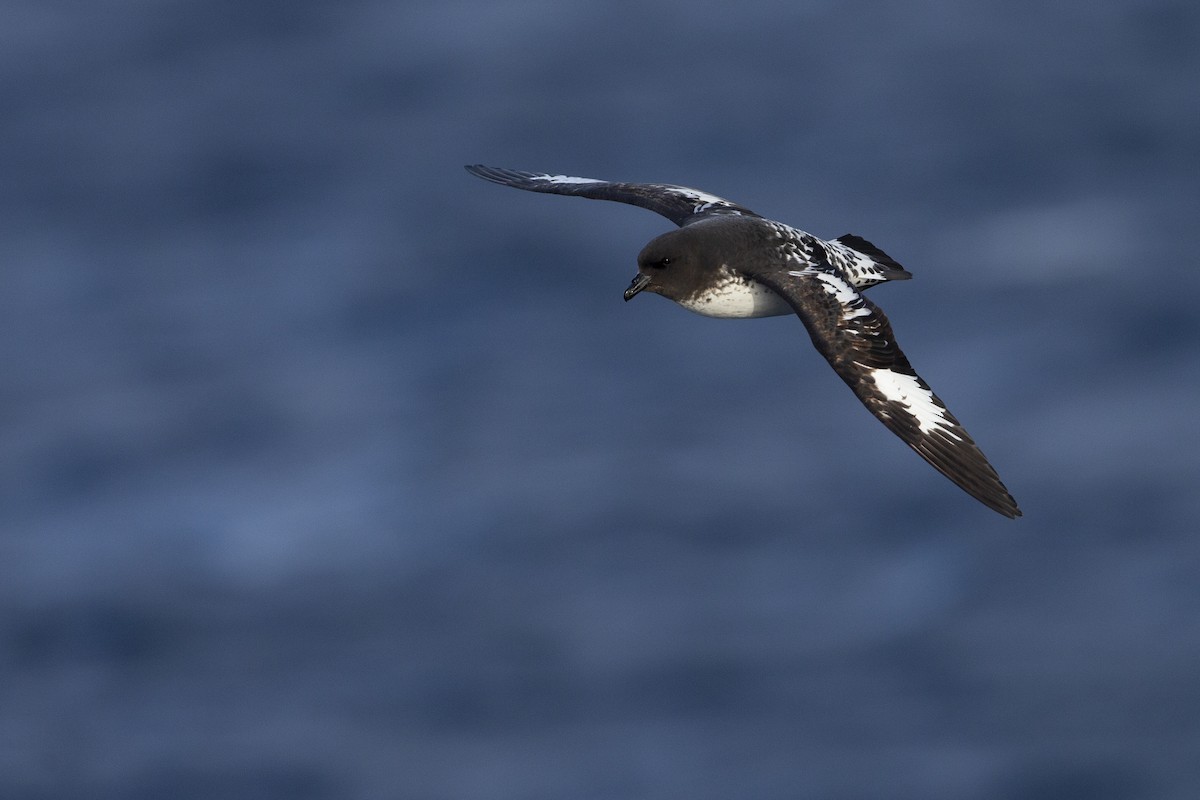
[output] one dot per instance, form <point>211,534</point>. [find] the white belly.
<point>738,299</point>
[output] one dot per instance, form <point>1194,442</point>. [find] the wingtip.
<point>986,488</point>
<point>1010,509</point>
<point>480,171</point>
<point>1006,506</point>
<point>981,482</point>
<point>991,491</point>
<point>958,458</point>
<point>504,177</point>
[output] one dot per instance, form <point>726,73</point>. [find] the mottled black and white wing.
<point>677,203</point>
<point>856,338</point>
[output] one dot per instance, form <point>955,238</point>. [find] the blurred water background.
<point>330,471</point>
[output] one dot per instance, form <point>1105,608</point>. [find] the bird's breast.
<point>735,297</point>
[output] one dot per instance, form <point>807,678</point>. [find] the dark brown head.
<point>676,263</point>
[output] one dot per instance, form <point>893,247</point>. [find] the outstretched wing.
<point>677,203</point>
<point>856,338</point>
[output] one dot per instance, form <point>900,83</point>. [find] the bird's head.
<point>670,265</point>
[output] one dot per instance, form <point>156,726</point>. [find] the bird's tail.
<point>882,266</point>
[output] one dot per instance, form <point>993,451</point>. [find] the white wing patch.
<point>842,291</point>
<point>702,201</point>
<point>906,390</point>
<point>566,179</point>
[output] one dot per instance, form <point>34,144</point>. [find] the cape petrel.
<point>726,261</point>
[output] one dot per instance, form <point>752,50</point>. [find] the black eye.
<point>664,262</point>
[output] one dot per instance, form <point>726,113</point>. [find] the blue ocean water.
<point>331,471</point>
